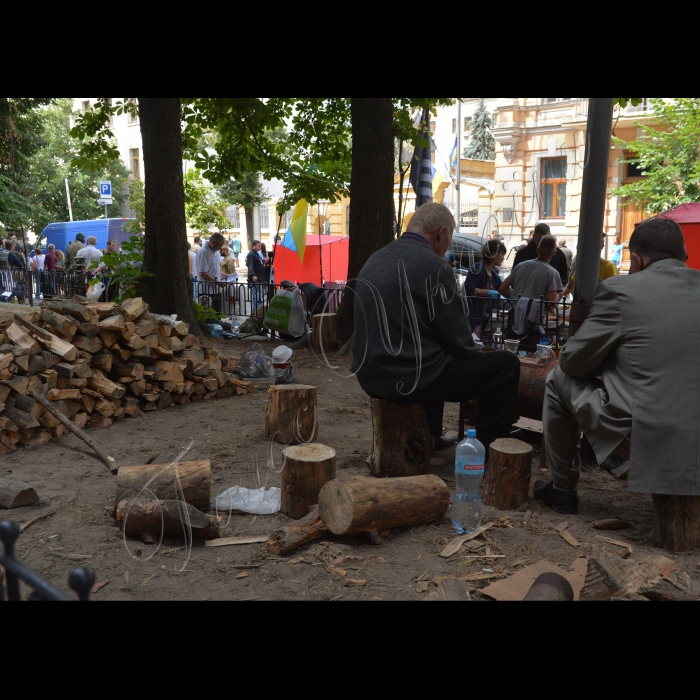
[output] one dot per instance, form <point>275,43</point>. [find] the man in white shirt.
<point>91,255</point>
<point>209,269</point>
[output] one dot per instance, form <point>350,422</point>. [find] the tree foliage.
<point>483,144</point>
<point>315,159</point>
<point>668,154</point>
<point>203,206</point>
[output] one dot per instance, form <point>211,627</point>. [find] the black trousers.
<point>490,377</point>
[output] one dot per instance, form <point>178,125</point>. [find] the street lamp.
<point>321,210</point>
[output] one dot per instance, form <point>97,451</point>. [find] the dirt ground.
<point>71,482</point>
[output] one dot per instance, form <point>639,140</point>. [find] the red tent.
<point>688,216</point>
<point>336,252</point>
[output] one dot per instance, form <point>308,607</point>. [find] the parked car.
<point>466,250</point>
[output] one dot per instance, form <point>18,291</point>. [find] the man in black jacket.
<point>558,262</point>
<point>413,343</point>
<point>256,274</point>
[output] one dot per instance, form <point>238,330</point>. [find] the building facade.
<point>541,160</point>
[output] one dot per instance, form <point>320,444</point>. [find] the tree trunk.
<point>507,485</point>
<point>170,290</point>
<point>195,480</point>
<point>250,225</point>
<point>676,524</point>
<point>375,505</point>
<point>307,469</point>
<point>402,440</point>
<point>372,186</point>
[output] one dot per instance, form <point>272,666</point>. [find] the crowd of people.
<point>216,261</point>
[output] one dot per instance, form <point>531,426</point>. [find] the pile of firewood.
<point>101,362</point>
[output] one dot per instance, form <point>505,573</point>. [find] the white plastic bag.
<point>94,293</point>
<point>259,502</point>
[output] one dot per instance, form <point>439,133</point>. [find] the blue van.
<point>62,235</point>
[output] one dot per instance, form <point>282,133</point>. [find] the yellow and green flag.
<point>295,239</point>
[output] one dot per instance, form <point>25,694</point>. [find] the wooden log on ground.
<point>325,334</point>
<point>307,469</point>
<point>402,441</point>
<point>15,494</point>
<point>507,483</point>
<point>167,519</point>
<point>292,414</point>
<point>298,534</point>
<point>374,505</point>
<point>676,523</point>
<point>194,477</point>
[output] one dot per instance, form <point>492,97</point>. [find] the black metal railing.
<point>81,580</point>
<point>551,322</point>
<point>251,300</point>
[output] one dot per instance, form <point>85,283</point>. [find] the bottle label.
<point>471,469</point>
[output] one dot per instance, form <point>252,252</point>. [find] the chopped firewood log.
<point>107,388</point>
<point>134,308</point>
<point>202,369</point>
<point>103,362</point>
<point>68,394</point>
<point>64,326</point>
<point>115,324</point>
<point>15,494</point>
<point>108,338</point>
<point>20,418</point>
<point>35,438</point>
<point>22,339</point>
<point>89,330</point>
<point>69,308</point>
<point>83,343</point>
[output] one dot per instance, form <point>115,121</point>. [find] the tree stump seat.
<point>402,441</point>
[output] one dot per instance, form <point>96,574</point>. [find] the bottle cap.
<point>471,434</point>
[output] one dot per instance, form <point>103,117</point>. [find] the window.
<point>86,106</point>
<point>467,124</point>
<point>548,100</point>
<point>264,217</point>
<point>433,126</point>
<point>135,157</point>
<point>454,126</point>
<point>553,188</point>
<point>132,117</point>
<point>633,170</point>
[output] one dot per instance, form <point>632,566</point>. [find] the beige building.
<point>540,162</point>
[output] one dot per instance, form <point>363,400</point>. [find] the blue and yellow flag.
<point>295,239</point>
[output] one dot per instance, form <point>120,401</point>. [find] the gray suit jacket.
<point>643,337</point>
<point>410,320</point>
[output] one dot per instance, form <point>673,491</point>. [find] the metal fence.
<point>81,580</point>
<point>251,300</point>
<point>47,285</point>
<point>551,320</point>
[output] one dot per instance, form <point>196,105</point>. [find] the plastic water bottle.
<point>498,340</point>
<point>468,507</point>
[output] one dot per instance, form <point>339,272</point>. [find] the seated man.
<point>607,270</point>
<point>536,279</point>
<point>413,343</point>
<point>630,371</point>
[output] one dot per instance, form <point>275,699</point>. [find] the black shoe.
<point>617,466</point>
<point>444,444</point>
<point>563,502</point>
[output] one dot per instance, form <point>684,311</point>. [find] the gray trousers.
<point>574,406</point>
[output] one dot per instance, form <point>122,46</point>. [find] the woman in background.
<point>483,283</point>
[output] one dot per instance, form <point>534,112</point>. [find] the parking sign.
<point>105,190</point>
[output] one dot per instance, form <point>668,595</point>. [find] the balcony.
<point>582,103</point>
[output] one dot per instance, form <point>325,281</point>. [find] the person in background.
<point>530,252</point>
<point>535,279</point>
<point>607,270</point>
<point>483,282</point>
<point>256,274</point>
<point>73,249</point>
<point>37,267</point>
<point>236,250</point>
<point>50,268</point>
<point>568,254</point>
<point>209,270</point>
<point>60,260</point>
<point>90,256</point>
<point>228,265</point>
<point>616,252</point>
<point>192,265</point>
<point>11,262</point>
<point>197,245</point>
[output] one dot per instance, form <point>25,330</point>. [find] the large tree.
<point>483,144</point>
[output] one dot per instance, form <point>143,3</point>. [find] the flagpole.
<point>459,166</point>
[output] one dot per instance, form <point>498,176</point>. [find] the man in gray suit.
<point>413,343</point>
<point>630,373</point>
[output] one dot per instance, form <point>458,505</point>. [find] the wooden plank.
<point>456,545</point>
<point>238,541</point>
